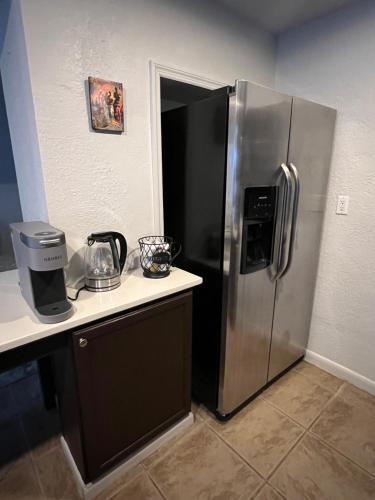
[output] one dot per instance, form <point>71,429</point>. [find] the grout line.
<point>257,490</point>
<point>309,432</point>
<point>169,445</point>
<point>277,491</point>
<point>283,412</point>
<point>304,434</point>
<point>234,450</point>
<point>321,411</point>
<point>268,475</point>
<point>276,466</point>
<point>283,460</point>
<point>154,483</point>
<point>333,395</point>
<point>340,453</point>
<point>121,486</point>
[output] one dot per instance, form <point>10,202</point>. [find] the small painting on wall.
<point>106,105</point>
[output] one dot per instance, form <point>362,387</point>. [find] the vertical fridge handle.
<point>294,173</point>
<point>286,222</point>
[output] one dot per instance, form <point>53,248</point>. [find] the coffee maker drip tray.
<point>49,294</point>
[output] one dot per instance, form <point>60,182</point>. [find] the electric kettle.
<point>103,264</point>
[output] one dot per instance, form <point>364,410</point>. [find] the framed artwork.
<point>106,105</point>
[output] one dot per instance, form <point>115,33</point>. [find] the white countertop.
<point>19,326</point>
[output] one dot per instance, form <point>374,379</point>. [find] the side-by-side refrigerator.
<point>245,175</point>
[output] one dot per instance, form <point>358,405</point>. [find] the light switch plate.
<point>342,207</point>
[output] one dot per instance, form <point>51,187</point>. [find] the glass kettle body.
<point>103,262</point>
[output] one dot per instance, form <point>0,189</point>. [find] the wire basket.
<point>157,254</point>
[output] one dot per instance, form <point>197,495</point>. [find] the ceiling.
<point>277,16</point>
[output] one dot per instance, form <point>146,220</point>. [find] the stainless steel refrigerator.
<point>245,175</point>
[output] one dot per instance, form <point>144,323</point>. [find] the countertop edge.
<point>57,328</point>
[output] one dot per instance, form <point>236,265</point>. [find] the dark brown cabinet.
<point>127,380</point>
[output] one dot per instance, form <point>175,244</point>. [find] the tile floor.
<point>309,436</point>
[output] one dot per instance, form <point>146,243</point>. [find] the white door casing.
<point>158,71</point>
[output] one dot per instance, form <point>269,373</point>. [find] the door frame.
<point>158,71</point>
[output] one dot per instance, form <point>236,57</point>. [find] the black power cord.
<point>78,292</point>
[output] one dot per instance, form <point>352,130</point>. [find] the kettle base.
<point>103,284</point>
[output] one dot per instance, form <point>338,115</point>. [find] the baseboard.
<point>90,490</point>
<point>341,371</point>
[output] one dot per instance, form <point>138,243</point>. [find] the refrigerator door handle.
<point>286,222</point>
<point>294,172</point>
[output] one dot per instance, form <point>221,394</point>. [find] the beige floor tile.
<point>55,476</point>
<point>201,466</point>
<point>120,482</point>
<point>21,484</point>
<point>315,471</point>
<point>166,447</point>
<point>321,377</point>
<point>260,434</point>
<point>300,398</point>
<point>268,493</point>
<point>139,488</point>
<point>348,423</point>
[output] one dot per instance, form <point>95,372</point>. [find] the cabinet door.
<point>133,379</point>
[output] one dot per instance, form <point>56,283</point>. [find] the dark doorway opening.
<point>194,141</point>
<point>174,94</point>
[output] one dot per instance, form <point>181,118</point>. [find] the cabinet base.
<point>91,490</point>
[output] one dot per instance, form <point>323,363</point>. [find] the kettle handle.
<point>123,248</point>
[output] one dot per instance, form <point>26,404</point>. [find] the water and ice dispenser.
<point>258,228</point>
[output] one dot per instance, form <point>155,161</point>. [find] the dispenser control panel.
<point>259,202</point>
<point>258,228</point>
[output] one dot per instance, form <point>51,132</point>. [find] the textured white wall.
<point>99,181</point>
<point>332,61</point>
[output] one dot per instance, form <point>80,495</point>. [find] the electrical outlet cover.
<point>342,207</point>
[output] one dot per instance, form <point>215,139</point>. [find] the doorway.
<point>174,94</point>
<point>180,87</point>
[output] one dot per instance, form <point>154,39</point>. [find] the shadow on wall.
<point>4,15</point>
<point>10,207</point>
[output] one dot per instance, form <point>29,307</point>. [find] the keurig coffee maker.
<point>40,253</point>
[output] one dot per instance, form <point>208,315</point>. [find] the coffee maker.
<point>41,255</point>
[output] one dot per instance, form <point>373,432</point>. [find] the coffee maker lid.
<point>37,234</point>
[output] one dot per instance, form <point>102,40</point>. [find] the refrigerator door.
<point>259,122</point>
<point>310,148</point>
<point>194,170</point>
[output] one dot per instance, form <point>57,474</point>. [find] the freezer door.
<point>310,147</point>
<point>259,121</point>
